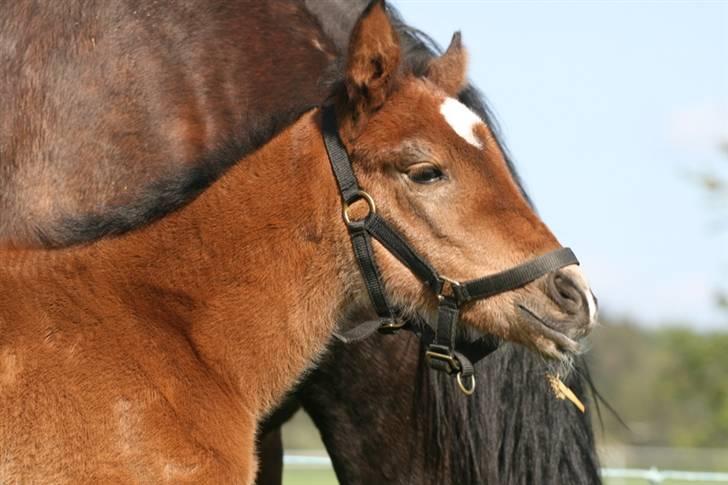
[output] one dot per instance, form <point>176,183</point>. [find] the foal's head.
<point>437,173</point>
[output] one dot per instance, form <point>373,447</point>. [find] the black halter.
<point>441,353</point>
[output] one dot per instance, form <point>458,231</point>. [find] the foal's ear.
<point>448,71</point>
<point>372,61</point>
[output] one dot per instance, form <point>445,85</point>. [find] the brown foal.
<point>150,357</point>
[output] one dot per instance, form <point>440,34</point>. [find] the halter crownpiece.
<point>451,295</point>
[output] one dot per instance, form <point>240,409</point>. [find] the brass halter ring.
<point>360,195</point>
<point>467,391</point>
<point>393,325</point>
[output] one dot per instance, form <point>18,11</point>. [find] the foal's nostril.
<point>568,294</point>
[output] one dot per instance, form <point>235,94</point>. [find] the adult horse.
<point>173,388</point>
<point>417,427</point>
<point>113,114</point>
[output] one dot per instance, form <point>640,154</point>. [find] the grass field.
<point>297,476</point>
<point>309,477</point>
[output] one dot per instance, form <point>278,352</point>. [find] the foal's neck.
<point>255,259</point>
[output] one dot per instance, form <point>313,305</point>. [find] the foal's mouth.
<point>541,326</point>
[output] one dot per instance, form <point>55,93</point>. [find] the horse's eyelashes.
<point>426,175</point>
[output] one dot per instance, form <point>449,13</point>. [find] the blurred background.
<point>616,114</point>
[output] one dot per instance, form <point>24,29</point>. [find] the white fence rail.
<point>651,476</point>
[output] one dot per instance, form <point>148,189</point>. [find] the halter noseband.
<point>451,295</point>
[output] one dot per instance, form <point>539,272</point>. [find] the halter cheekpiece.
<point>439,341</point>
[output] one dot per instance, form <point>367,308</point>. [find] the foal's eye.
<point>425,173</point>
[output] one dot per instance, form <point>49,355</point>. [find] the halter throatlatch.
<point>451,295</point>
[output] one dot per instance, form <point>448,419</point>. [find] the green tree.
<point>667,384</point>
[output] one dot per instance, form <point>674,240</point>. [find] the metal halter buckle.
<point>449,288</point>
<point>392,326</point>
<point>452,363</point>
<point>454,367</point>
<point>360,195</point>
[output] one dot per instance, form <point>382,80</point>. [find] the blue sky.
<point>610,109</point>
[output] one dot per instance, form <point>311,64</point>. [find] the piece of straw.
<point>561,391</point>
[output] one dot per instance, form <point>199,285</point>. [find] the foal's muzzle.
<point>572,295</point>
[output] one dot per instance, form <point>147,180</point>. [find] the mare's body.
<point>113,114</point>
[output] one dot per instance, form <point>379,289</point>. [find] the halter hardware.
<point>392,325</point>
<point>468,391</point>
<point>361,195</point>
<point>450,288</point>
<point>443,358</point>
<point>451,294</point>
